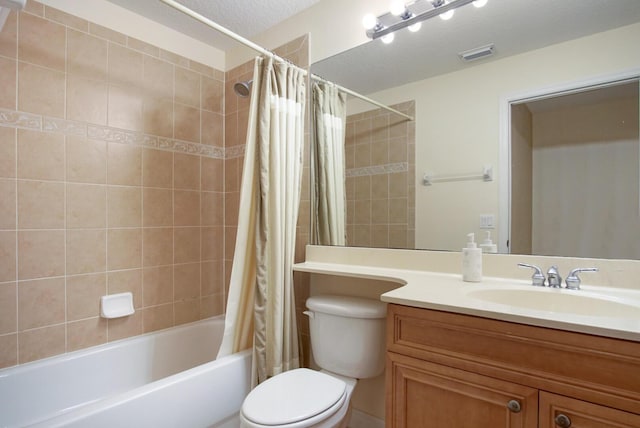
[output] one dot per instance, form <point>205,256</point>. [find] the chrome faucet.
<point>573,281</point>
<point>538,278</point>
<point>553,277</point>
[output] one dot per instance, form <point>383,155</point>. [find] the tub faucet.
<point>554,278</point>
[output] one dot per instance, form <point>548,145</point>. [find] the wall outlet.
<point>487,221</point>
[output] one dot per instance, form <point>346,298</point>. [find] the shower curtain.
<point>329,225</point>
<point>261,303</point>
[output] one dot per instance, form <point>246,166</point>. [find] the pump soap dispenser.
<point>487,245</point>
<point>471,261</point>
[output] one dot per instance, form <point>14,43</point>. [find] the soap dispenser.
<point>487,245</point>
<point>471,261</point>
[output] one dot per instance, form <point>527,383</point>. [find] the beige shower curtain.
<point>329,225</point>
<point>261,304</point>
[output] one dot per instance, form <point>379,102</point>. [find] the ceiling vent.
<point>477,53</point>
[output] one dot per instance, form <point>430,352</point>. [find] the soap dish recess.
<point>116,305</point>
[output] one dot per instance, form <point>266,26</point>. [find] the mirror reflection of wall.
<point>575,174</point>
<point>380,169</point>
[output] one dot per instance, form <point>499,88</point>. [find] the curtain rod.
<point>248,43</point>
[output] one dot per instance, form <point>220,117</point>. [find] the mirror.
<point>462,109</point>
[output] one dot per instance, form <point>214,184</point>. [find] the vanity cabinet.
<point>461,371</point>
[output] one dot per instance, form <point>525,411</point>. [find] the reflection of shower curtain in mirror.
<point>261,303</point>
<point>329,219</point>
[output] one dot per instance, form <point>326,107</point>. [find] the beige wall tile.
<point>157,207</point>
<point>380,211</point>
<point>363,212</point>
<point>211,277</point>
<point>186,244</point>
<point>125,108</point>
<point>397,236</point>
<point>9,36</point>
<point>41,254</point>
<point>186,123</point>
<point>227,250</point>
<point>86,55</point>
<point>86,160</point>
<point>83,295</point>
<point>187,87</point>
<point>212,305</point>
<point>66,19</point>
<point>8,88</point>
<point>86,333</point>
<point>8,152</point>
<point>213,174</point>
<point>157,246</point>
<point>158,76</point>
<point>186,208</point>
<point>107,33</point>
<point>212,243</point>
<point>8,350</point>
<point>186,170</point>
<point>40,155</point>
<point>41,343</point>
<point>121,328</point>
<point>86,206</point>
<point>158,116</point>
<point>157,285</point>
<point>124,164</point>
<point>40,90</point>
<point>231,130</point>
<point>379,187</point>
<point>157,168</point>
<point>41,42</point>
<point>8,203</point>
<point>124,206</point>
<point>124,249</point>
<point>187,311</point>
<point>143,47</point>
<point>186,281</point>
<point>231,206</point>
<point>8,256</point>
<point>40,205</point>
<point>157,317</point>
<point>212,208</point>
<point>126,281</point>
<point>212,132</point>
<point>213,95</point>
<point>232,175</point>
<point>398,211</point>
<point>125,66</point>
<point>34,297</point>
<point>8,308</point>
<point>86,251</point>
<point>86,100</point>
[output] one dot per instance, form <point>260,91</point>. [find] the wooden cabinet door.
<point>581,414</point>
<point>425,395</point>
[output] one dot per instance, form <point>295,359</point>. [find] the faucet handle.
<point>553,277</point>
<point>573,281</point>
<point>538,277</point>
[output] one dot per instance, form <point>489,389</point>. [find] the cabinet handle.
<point>514,406</point>
<point>563,421</point>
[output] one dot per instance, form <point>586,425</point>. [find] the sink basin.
<point>559,301</point>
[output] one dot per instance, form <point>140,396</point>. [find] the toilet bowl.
<point>300,398</point>
<point>347,341</point>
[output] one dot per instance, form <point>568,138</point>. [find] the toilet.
<point>347,341</point>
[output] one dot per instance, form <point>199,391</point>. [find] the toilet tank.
<point>347,334</point>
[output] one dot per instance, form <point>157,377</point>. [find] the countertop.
<point>447,292</point>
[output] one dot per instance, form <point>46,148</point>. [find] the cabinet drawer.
<point>580,414</point>
<point>591,368</point>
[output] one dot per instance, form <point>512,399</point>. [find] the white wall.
<point>457,123</point>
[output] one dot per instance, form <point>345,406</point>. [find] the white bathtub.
<point>163,379</point>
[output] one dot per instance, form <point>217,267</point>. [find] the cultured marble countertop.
<point>447,292</point>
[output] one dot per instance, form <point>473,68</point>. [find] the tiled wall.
<point>111,180</point>
<point>236,120</point>
<point>380,163</point>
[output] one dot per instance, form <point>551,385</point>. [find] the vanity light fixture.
<point>411,15</point>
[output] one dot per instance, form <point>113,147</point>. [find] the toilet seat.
<point>294,399</point>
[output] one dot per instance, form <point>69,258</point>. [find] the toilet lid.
<point>292,396</point>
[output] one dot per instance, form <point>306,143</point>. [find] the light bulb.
<point>415,27</point>
<point>397,7</point>
<point>369,21</point>
<point>479,3</point>
<point>387,38</point>
<point>448,14</point>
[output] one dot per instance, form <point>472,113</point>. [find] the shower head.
<point>243,89</point>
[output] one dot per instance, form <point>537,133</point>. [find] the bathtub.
<point>168,378</point>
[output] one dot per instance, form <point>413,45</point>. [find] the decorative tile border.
<point>235,151</point>
<point>390,168</point>
<point>17,119</point>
